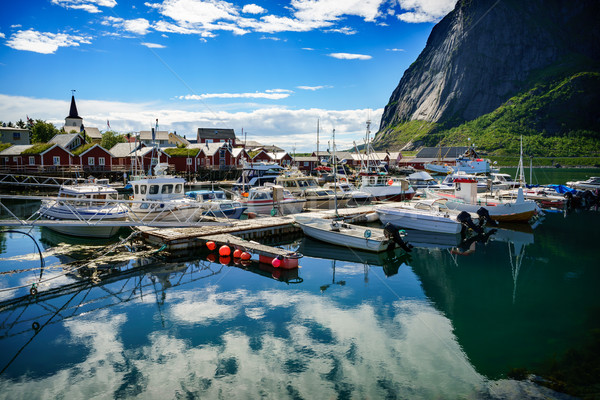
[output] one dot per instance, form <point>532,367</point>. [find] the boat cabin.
<point>157,188</point>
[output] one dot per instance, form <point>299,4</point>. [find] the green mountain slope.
<point>557,117</point>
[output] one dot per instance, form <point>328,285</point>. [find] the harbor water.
<point>450,320</point>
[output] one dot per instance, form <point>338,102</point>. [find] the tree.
<point>21,124</point>
<point>110,138</point>
<point>42,131</point>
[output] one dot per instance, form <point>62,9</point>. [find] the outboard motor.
<point>390,231</point>
<point>467,222</point>
<point>484,217</point>
<point>569,199</point>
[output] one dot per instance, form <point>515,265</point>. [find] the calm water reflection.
<point>440,323</point>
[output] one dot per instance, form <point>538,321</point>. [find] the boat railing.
<point>102,218</point>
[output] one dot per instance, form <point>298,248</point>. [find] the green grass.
<point>181,152</point>
<point>38,148</point>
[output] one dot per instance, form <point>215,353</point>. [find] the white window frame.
<point>31,160</point>
<point>188,161</point>
<point>91,161</point>
<point>56,160</point>
<point>101,161</point>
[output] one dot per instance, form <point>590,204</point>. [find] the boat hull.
<point>412,219</point>
<point>286,207</point>
<point>90,231</point>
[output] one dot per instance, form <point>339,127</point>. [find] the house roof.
<point>237,151</point>
<point>93,133</point>
<point>278,155</point>
<point>216,133</point>
<point>15,150</point>
<point>97,145</point>
<point>446,152</point>
<point>122,149</point>
<point>64,139</point>
<point>160,135</point>
<point>306,158</point>
<point>208,148</point>
<point>55,145</point>
<point>13,129</point>
<point>250,144</point>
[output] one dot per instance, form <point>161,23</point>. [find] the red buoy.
<point>211,257</point>
<point>211,245</point>
<point>224,250</point>
<point>276,262</point>
<point>245,256</point>
<point>237,253</point>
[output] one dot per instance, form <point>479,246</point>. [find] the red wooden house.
<point>95,158</point>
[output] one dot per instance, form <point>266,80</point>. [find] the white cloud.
<point>344,30</point>
<point>350,56</point>
<point>395,49</point>
<point>138,26</point>
<point>90,6</point>
<point>153,45</point>
<point>313,88</point>
<point>425,10</point>
<point>16,26</point>
<point>272,94</point>
<point>253,9</point>
<point>44,42</point>
<point>2,35</point>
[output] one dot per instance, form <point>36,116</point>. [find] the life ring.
<point>33,291</point>
<point>130,197</point>
<point>390,182</point>
<point>35,326</point>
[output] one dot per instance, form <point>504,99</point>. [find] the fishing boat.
<point>216,204</point>
<point>448,184</point>
<point>161,197</point>
<point>272,200</point>
<point>465,198</point>
<point>257,174</point>
<point>471,163</point>
<point>307,187</point>
<point>88,202</point>
<point>427,215</point>
<point>503,181</point>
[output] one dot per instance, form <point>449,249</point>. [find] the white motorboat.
<point>465,198</point>
<point>342,234</point>
<point>273,200</point>
<point>483,182</point>
<point>89,203</point>
<point>161,197</point>
<point>216,204</point>
<point>592,183</point>
<point>348,191</point>
<point>382,187</point>
<point>422,179</point>
<point>427,215</point>
<point>503,181</point>
<point>322,199</point>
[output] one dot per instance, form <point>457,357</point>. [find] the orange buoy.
<point>390,182</point>
<point>211,257</point>
<point>245,256</point>
<point>211,245</point>
<point>225,260</point>
<point>237,253</point>
<point>224,250</point>
<point>251,215</point>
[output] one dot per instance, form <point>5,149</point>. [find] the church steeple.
<point>73,111</point>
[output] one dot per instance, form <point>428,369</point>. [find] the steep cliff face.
<point>486,51</point>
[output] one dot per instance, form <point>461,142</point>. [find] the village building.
<point>427,155</point>
<point>281,157</point>
<point>216,135</point>
<point>186,159</point>
<point>15,135</point>
<point>259,155</point>
<point>216,155</point>
<point>161,138</point>
<point>68,141</point>
<point>94,158</point>
<point>306,164</point>
<point>12,159</point>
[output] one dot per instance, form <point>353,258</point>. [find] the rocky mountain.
<point>487,51</point>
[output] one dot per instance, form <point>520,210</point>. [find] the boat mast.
<point>318,161</point>
<point>335,183</point>
<point>520,169</point>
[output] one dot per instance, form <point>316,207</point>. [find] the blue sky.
<point>271,68</point>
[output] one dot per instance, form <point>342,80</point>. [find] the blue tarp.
<point>562,189</point>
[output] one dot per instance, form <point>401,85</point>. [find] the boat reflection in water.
<point>389,260</point>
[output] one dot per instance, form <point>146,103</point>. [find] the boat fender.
<point>390,231</point>
<point>484,217</point>
<point>465,219</point>
<point>390,182</point>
